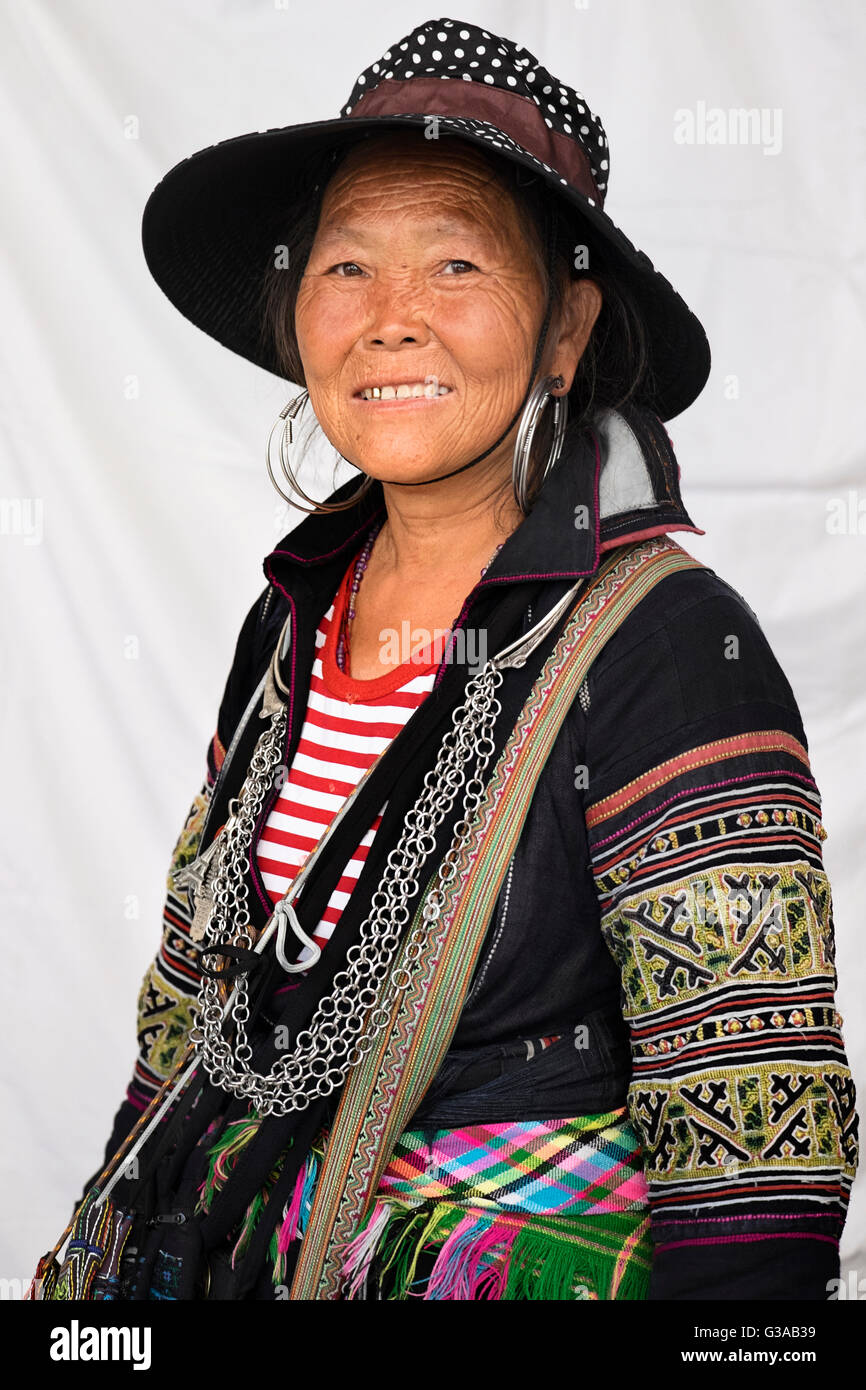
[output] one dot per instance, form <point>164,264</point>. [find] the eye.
<point>345,269</point>
<point>464,267</point>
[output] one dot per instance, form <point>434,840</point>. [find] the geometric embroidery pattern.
<point>165,1017</point>
<point>717,910</point>
<point>168,997</point>
<point>755,923</point>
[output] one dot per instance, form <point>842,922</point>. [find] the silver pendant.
<point>285,915</point>
<point>193,880</point>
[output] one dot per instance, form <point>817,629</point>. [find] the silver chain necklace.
<point>347,1021</point>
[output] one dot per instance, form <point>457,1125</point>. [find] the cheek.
<point>489,333</point>
<point>327,322</point>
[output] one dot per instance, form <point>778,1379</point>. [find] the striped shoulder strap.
<point>385,1088</point>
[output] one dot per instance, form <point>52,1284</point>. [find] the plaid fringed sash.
<point>547,1209</point>
<point>386,1087</point>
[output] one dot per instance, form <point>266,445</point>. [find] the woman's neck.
<point>442,529</point>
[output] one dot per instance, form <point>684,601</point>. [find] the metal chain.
<point>347,1021</point>
<point>230,918</point>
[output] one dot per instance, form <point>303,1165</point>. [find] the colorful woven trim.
<point>551,1209</point>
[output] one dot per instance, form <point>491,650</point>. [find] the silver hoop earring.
<point>285,423</point>
<point>532,413</point>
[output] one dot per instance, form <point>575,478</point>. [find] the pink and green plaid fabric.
<point>533,1209</point>
<point>586,1166</point>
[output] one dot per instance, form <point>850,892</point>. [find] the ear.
<point>580,308</point>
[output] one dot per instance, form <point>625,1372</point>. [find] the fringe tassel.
<point>633,1281</point>
<point>391,1241</point>
<point>479,1258</point>
<point>223,1157</point>
<point>473,1262</point>
<point>545,1267</point>
<point>358,1253</point>
<point>399,1252</point>
<point>251,1216</point>
<point>297,1214</point>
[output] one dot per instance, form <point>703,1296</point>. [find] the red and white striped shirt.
<point>347,724</point>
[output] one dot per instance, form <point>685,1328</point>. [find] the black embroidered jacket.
<point>667,894</point>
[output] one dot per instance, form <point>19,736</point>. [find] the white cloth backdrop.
<point>136,509</point>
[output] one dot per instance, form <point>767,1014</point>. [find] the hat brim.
<point>207,236</point>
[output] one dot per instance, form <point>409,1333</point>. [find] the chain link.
<point>348,1020</point>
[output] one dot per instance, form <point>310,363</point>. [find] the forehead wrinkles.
<point>392,184</point>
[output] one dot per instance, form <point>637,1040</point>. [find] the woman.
<point>620,1074</point>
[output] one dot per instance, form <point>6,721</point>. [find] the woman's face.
<point>424,284</point>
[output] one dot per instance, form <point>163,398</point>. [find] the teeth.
<point>404,391</point>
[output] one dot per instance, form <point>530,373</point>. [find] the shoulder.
<point>689,668</point>
<point>695,637</point>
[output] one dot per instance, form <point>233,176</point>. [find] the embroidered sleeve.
<point>170,985</point>
<point>166,1000</point>
<point>705,830</point>
<point>168,993</point>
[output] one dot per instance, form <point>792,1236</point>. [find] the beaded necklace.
<point>360,565</point>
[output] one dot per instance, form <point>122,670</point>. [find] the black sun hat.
<point>207,228</point>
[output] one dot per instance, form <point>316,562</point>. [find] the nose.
<point>397,317</point>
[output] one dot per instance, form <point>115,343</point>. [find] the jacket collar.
<point>616,481</point>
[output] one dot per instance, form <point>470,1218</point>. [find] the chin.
<point>396,468</point>
<point>401,457</point>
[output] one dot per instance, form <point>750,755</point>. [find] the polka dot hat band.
<point>509,100</point>
<point>210,226</point>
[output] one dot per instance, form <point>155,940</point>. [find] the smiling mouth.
<point>406,390</point>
